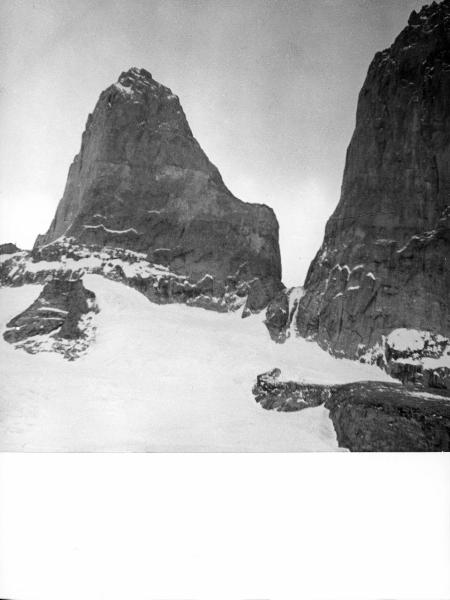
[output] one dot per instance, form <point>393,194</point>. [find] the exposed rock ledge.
<point>59,320</point>
<point>367,416</point>
<point>66,259</point>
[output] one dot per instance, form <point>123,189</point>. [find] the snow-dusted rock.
<point>67,259</point>
<point>417,358</point>
<point>288,396</point>
<point>59,320</point>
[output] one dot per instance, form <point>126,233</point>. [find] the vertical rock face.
<point>385,259</point>
<point>142,182</point>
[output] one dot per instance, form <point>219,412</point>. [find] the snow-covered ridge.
<point>67,259</point>
<point>80,260</point>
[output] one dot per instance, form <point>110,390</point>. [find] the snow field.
<point>161,378</point>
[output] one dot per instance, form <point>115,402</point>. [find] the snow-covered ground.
<point>160,378</point>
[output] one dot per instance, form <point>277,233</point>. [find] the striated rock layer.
<point>142,182</point>
<point>384,262</point>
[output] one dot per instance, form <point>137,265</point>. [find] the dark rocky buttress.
<point>385,259</point>
<point>142,182</point>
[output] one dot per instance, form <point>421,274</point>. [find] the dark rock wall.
<point>141,181</point>
<point>381,417</point>
<point>384,261</point>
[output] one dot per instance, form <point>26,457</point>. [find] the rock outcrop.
<point>65,260</point>
<point>382,417</point>
<point>368,416</point>
<point>59,320</point>
<point>141,182</point>
<point>385,259</point>
<point>288,396</point>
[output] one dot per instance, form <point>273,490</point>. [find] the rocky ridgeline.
<point>60,320</point>
<point>141,182</point>
<point>384,261</point>
<point>367,416</point>
<point>67,259</point>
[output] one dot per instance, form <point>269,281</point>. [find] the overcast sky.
<point>269,89</point>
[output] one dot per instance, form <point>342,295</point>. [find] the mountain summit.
<point>142,182</point>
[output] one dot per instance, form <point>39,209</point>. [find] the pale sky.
<point>269,89</point>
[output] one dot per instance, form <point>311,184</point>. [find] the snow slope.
<point>160,378</point>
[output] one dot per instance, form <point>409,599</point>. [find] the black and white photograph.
<point>224,300</point>
<point>225,226</point>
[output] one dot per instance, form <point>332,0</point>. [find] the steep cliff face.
<point>384,262</point>
<point>142,182</point>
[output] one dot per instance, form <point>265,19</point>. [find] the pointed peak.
<point>135,74</point>
<point>430,14</point>
<point>140,80</point>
